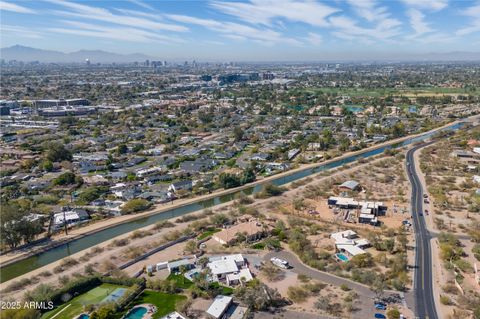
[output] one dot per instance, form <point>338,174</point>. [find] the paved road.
<point>423,281</point>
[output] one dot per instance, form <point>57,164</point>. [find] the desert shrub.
<point>297,294</point>
<point>120,242</point>
<point>445,300</point>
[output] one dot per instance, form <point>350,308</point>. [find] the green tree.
<point>15,227</point>
<point>66,178</point>
<point>107,311</point>
<point>56,152</point>
<point>47,165</point>
<point>122,149</point>
<point>227,180</point>
<point>238,133</point>
<point>191,246</point>
<point>135,205</point>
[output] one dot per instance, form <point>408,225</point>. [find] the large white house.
<point>348,242</point>
<point>230,268</point>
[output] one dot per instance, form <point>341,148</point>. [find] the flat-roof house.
<point>70,217</point>
<point>174,266</point>
<point>348,242</point>
<point>243,275</point>
<point>221,268</point>
<point>173,315</point>
<point>219,306</point>
<point>351,250</point>
<point>349,234</point>
<point>375,208</point>
<point>230,268</point>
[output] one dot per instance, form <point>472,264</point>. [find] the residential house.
<point>253,230</point>
<point>176,265</point>
<point>181,185</point>
<point>231,269</point>
<point>261,157</point>
<point>70,217</point>
<point>219,306</point>
<point>347,242</point>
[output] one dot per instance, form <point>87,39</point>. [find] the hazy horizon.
<point>249,30</point>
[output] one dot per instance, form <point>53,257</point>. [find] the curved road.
<point>300,268</point>
<point>423,281</point>
<point>365,294</point>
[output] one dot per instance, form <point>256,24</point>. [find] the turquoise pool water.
<point>342,257</point>
<point>84,316</point>
<point>136,313</point>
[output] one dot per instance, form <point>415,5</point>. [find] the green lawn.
<point>207,233</point>
<point>224,290</point>
<point>165,303</point>
<point>260,246</point>
<point>74,307</point>
<point>180,280</point>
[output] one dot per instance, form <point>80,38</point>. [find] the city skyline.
<point>247,30</point>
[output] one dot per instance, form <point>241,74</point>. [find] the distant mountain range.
<point>28,54</point>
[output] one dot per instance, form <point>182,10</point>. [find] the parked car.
<point>380,306</point>
<point>380,316</point>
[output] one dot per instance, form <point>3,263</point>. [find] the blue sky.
<point>245,30</point>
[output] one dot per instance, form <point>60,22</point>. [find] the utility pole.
<point>65,223</point>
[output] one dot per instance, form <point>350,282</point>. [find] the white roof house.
<point>236,277</point>
<point>70,217</point>
<point>349,242</point>
<point>362,242</point>
<point>350,234</point>
<point>222,267</point>
<point>219,306</point>
<point>238,258</point>
<point>351,249</point>
<point>174,315</point>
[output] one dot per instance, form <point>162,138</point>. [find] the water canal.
<point>44,258</point>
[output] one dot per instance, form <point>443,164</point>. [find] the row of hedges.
<point>72,288</point>
<point>122,281</point>
<point>130,295</point>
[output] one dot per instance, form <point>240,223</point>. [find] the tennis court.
<point>114,295</point>
<point>94,296</point>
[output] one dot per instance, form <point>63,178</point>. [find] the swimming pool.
<point>136,313</point>
<point>83,316</point>
<point>342,257</point>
